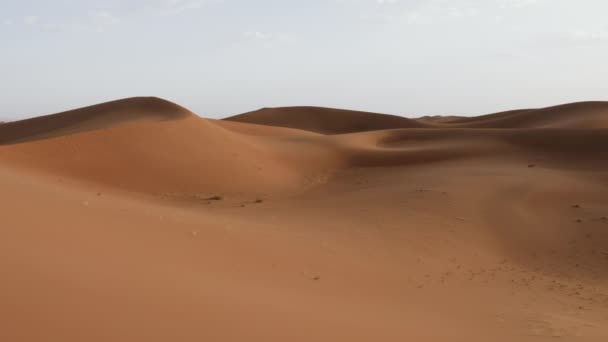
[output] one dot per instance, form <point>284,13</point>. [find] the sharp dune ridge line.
<point>100,116</point>
<point>138,220</point>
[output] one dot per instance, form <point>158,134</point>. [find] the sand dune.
<point>261,130</point>
<point>325,120</point>
<point>95,117</point>
<point>431,119</point>
<point>137,220</point>
<point>146,145</point>
<point>572,115</point>
<point>338,121</point>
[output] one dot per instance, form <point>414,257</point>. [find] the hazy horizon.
<point>225,57</point>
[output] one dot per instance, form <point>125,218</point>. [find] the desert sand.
<point>139,220</point>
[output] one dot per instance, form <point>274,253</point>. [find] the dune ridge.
<point>591,114</point>
<point>99,116</point>
<point>325,120</point>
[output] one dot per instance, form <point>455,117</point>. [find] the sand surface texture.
<point>138,220</point>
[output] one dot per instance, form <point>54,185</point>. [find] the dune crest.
<point>571,115</point>
<point>99,116</point>
<point>338,121</point>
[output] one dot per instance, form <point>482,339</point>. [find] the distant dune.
<point>138,220</point>
<point>572,115</point>
<point>339,121</point>
<point>438,118</point>
<point>325,120</point>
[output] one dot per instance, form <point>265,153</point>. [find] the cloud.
<point>100,19</point>
<point>428,12</point>
<point>261,36</point>
<point>103,18</point>
<point>267,39</point>
<point>169,7</point>
<point>570,39</point>
<point>363,2</point>
<point>94,20</point>
<point>37,23</point>
<point>31,20</point>
<point>256,35</point>
<point>587,36</point>
<point>517,3</point>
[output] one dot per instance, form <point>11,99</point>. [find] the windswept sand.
<point>137,220</point>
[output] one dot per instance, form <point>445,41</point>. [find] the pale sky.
<point>224,57</point>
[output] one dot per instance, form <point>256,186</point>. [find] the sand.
<point>325,120</point>
<point>138,220</point>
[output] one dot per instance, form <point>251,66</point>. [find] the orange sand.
<point>493,228</point>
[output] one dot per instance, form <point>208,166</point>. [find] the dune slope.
<point>146,145</point>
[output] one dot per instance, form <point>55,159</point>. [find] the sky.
<point>225,57</point>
